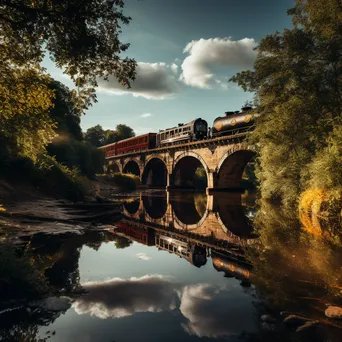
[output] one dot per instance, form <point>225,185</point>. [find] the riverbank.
<point>25,210</point>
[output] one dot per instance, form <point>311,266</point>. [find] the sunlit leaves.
<point>24,114</point>
<point>297,79</point>
<point>82,37</point>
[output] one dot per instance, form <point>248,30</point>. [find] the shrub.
<point>125,181</point>
<point>200,180</point>
<point>47,175</point>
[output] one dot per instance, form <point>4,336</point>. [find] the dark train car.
<point>233,122</point>
<point>141,142</point>
<point>192,131</point>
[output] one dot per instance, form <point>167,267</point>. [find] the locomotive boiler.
<point>192,131</point>
<point>233,122</point>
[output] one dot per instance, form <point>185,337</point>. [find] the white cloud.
<point>207,54</point>
<point>117,297</point>
<point>157,81</point>
<point>146,115</point>
<point>174,68</point>
<point>143,256</point>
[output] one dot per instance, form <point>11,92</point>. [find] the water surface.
<point>179,266</point>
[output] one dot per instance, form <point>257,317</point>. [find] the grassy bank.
<point>48,176</point>
<point>124,181</point>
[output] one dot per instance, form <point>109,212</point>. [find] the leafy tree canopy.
<point>82,37</point>
<point>64,111</point>
<point>297,80</point>
<point>25,99</point>
<point>123,132</point>
<point>97,136</point>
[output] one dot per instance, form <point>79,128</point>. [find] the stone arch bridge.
<point>220,216</point>
<point>223,159</point>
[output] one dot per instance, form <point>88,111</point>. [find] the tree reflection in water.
<point>293,269</point>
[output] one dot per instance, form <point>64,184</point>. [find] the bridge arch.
<point>190,214</point>
<point>155,206</point>
<point>113,168</point>
<point>230,169</point>
<point>155,173</point>
<point>185,166</point>
<point>132,166</point>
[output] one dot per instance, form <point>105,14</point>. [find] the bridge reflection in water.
<point>193,226</point>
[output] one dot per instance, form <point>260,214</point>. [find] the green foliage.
<point>81,155</point>
<point>25,100</point>
<point>64,111</point>
<point>123,132</point>
<point>97,136</point>
<point>122,242</point>
<point>126,181</point>
<point>18,276</point>
<point>82,38</point>
<point>47,175</point>
<point>325,167</point>
<point>200,179</point>
<point>298,85</point>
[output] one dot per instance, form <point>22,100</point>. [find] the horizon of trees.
<point>97,136</point>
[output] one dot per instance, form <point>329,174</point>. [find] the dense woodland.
<point>297,81</point>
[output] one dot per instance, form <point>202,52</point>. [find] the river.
<point>182,267</point>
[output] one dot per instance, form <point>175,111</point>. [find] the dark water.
<point>181,267</point>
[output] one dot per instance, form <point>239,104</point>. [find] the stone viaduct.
<point>223,159</point>
<point>220,216</point>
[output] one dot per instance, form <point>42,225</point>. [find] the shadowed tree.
<point>82,38</point>
<point>64,111</point>
<point>123,132</point>
<point>95,136</point>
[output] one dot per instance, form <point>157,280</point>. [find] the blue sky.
<point>186,51</point>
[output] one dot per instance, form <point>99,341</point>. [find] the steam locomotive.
<point>230,124</point>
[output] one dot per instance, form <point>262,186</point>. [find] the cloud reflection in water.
<point>210,310</point>
<point>117,297</point>
<point>214,311</point>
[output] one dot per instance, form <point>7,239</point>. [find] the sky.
<point>186,51</point>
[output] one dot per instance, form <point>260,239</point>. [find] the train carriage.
<point>139,143</point>
<point>233,122</point>
<point>192,131</point>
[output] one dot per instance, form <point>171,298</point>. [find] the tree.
<point>110,136</point>
<point>298,85</point>
<point>64,111</point>
<point>123,132</point>
<point>25,97</point>
<point>82,38</point>
<point>95,136</point>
